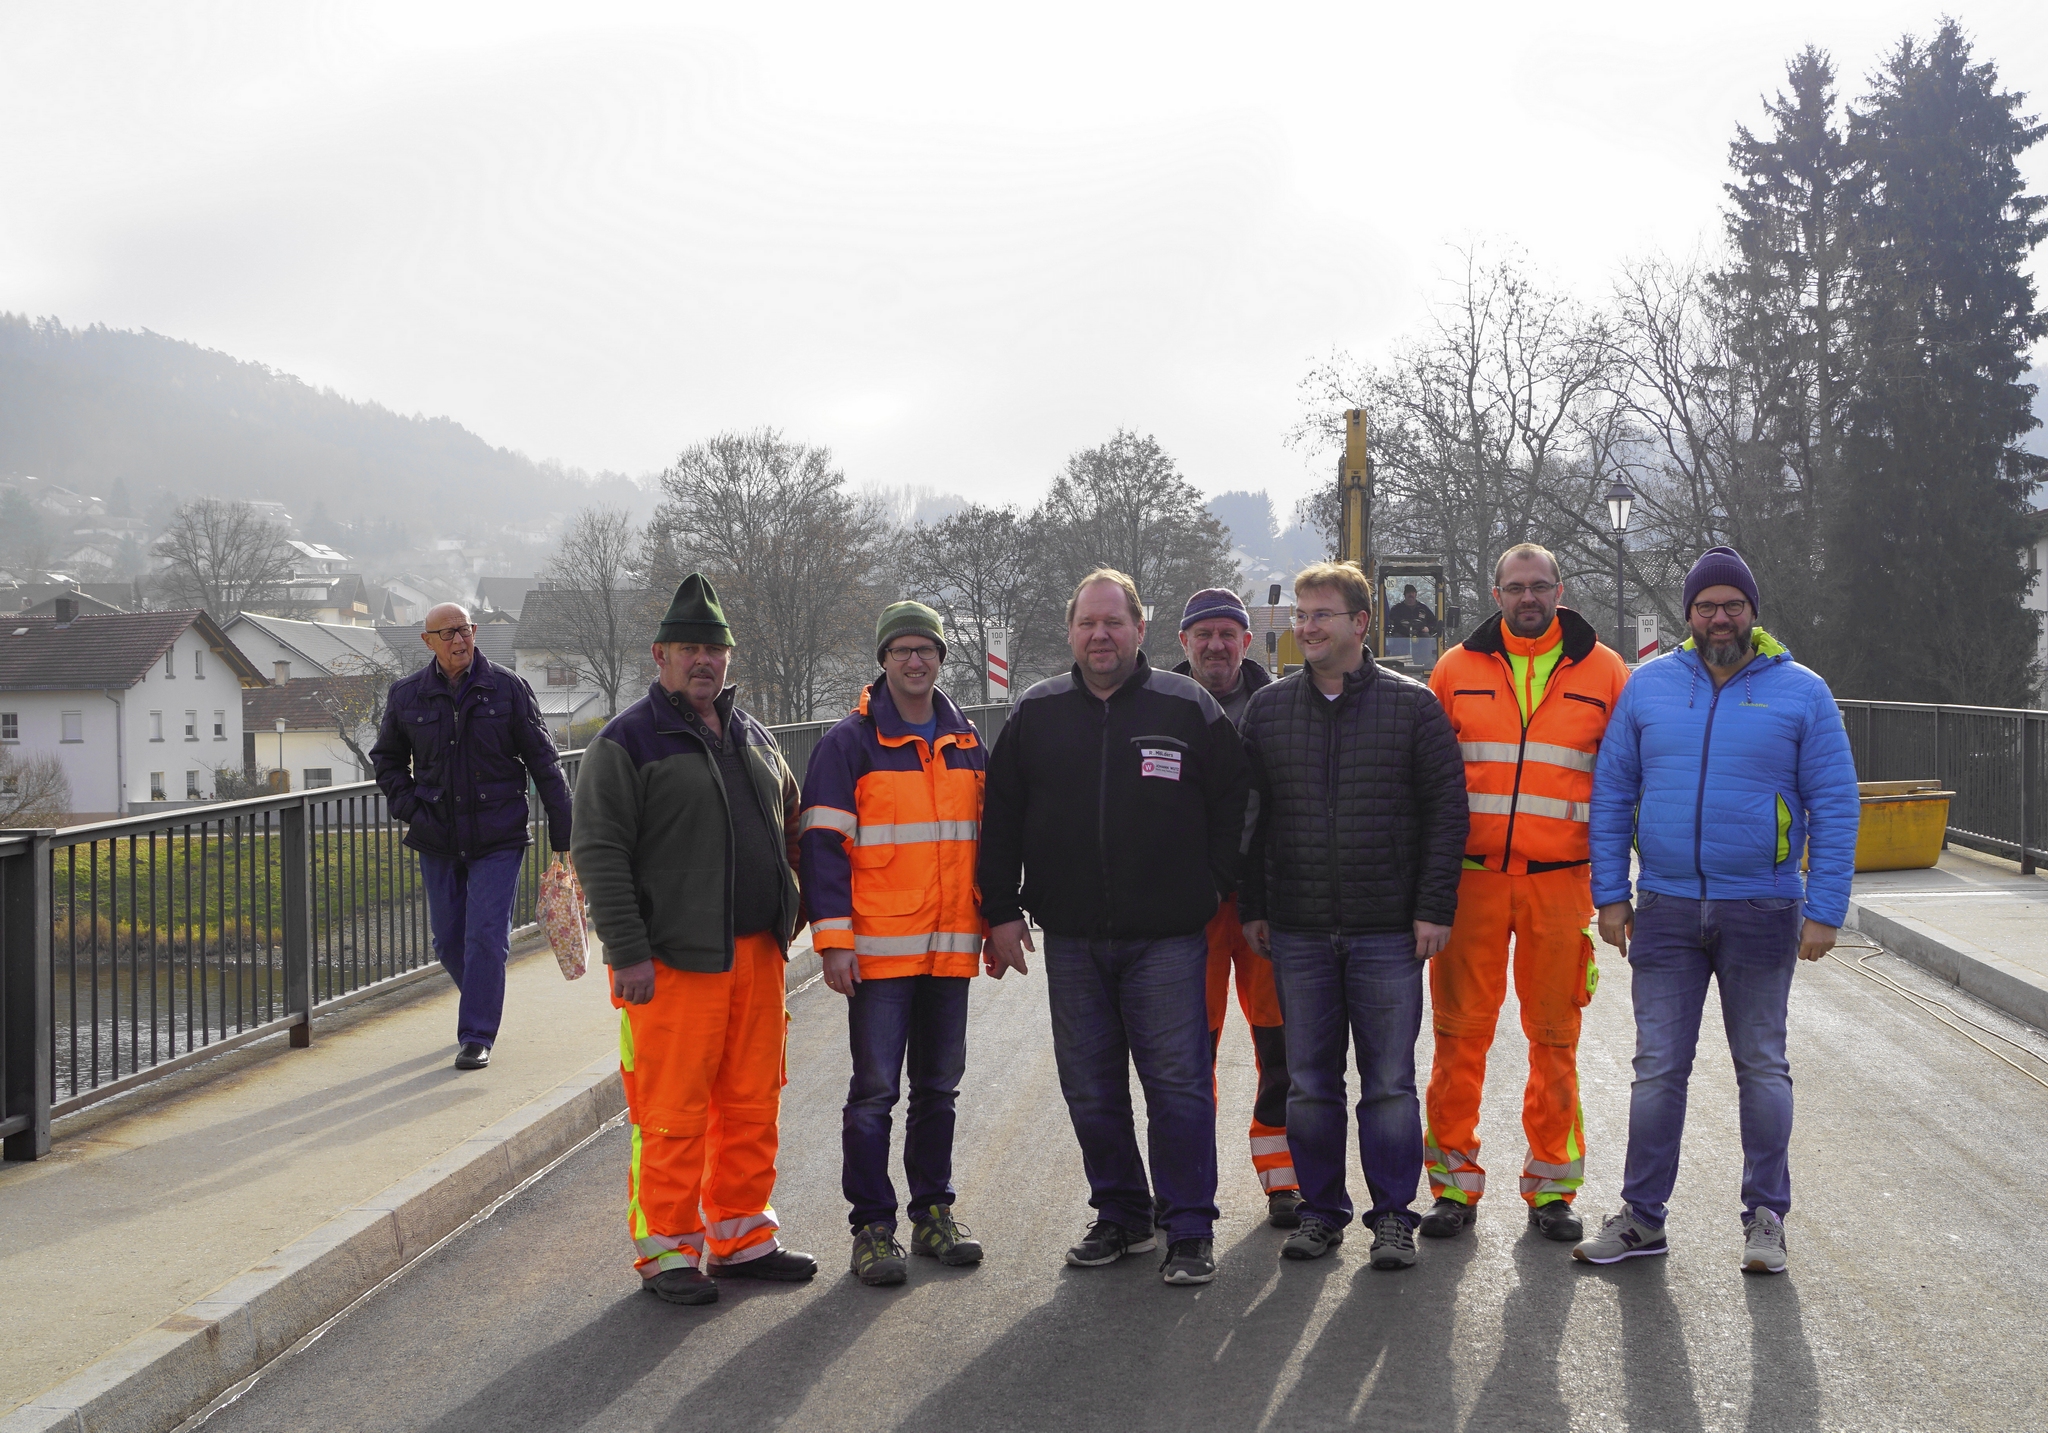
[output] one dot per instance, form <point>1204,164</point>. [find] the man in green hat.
<point>899,781</point>
<point>686,844</point>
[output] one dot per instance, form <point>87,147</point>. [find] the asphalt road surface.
<point>1917,1297</point>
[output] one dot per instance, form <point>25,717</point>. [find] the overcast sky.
<point>952,242</point>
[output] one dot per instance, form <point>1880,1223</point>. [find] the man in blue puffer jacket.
<point>1725,761</point>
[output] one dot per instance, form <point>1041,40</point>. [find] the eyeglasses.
<point>900,655</point>
<point>1736,610</point>
<point>1518,590</point>
<point>449,634</point>
<point>1319,617</point>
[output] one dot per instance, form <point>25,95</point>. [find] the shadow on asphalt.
<point>1784,1389</point>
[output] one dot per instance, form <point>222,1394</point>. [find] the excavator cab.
<point>1410,622</point>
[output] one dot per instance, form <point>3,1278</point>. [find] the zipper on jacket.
<point>1102,821</point>
<point>1330,715</point>
<point>1699,805</point>
<point>1507,846</point>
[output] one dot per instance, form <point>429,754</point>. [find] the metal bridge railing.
<point>132,948</point>
<point>1989,756</point>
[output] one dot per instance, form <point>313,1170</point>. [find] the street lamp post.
<point>1619,501</point>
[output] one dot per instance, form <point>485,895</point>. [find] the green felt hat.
<point>694,615</point>
<point>905,619</point>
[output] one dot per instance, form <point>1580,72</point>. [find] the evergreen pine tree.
<point>1783,297</point>
<point>1924,563</point>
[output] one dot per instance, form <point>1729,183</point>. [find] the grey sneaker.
<point>1621,1236</point>
<point>1763,1244</point>
<point>1311,1240</point>
<point>877,1257</point>
<point>1393,1243</point>
<point>1108,1241</point>
<point>936,1235</point>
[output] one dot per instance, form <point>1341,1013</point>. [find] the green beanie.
<point>694,615</point>
<point>904,619</point>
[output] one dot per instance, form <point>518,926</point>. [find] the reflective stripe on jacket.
<point>890,833</point>
<point>1529,714</point>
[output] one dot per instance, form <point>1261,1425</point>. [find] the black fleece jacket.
<point>1360,806</point>
<point>1124,817</point>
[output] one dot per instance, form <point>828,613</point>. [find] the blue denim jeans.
<point>469,905</point>
<point>1336,992</point>
<point>1119,1003</point>
<point>1750,948</point>
<point>923,1017</point>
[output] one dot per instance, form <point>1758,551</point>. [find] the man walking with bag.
<point>686,844</point>
<point>459,740</point>
<point>1726,762</point>
<point>1116,795</point>
<point>1350,884</point>
<point>1529,694</point>
<point>890,829</point>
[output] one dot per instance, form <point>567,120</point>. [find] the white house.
<point>295,728</point>
<point>137,707</point>
<point>310,649</point>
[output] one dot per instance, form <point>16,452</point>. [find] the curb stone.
<point>1998,982</point>
<point>163,1376</point>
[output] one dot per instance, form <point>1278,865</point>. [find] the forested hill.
<point>87,407</point>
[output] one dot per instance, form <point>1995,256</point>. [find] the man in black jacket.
<point>458,741</point>
<point>1118,793</point>
<point>1350,884</point>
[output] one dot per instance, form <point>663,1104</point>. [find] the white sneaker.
<point>1763,1244</point>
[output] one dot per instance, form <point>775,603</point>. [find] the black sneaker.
<point>1187,1262</point>
<point>877,1257</point>
<point>1312,1240</point>
<point>785,1266</point>
<point>1283,1209</point>
<point>1553,1219</point>
<point>936,1236</point>
<point>1393,1243</point>
<point>1447,1217</point>
<point>682,1286</point>
<point>1108,1241</point>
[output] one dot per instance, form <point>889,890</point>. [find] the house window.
<point>156,726</point>
<point>319,776</point>
<point>199,661</point>
<point>220,726</point>
<point>191,726</point>
<point>74,726</point>
<point>171,662</point>
<point>559,676</point>
<point>192,786</point>
<point>156,786</point>
<point>10,726</point>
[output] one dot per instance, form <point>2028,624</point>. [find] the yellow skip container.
<point>1903,822</point>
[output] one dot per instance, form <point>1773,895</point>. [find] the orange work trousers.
<point>703,1068</point>
<point>1260,1003</point>
<point>1547,915</point>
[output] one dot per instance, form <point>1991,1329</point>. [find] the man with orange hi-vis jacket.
<point>1529,694</point>
<point>890,831</point>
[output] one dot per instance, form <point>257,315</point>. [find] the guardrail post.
<point>2029,767</point>
<point>297,873</point>
<point>25,995</point>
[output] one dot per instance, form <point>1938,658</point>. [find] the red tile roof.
<point>301,702</point>
<point>101,650</point>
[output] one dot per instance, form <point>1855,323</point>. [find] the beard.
<point>1729,651</point>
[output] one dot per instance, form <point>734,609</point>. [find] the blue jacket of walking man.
<point>459,741</point>
<point>1726,763</point>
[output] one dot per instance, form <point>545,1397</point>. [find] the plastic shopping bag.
<point>561,915</point>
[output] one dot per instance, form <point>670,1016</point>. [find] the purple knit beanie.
<point>1720,567</point>
<point>1215,602</point>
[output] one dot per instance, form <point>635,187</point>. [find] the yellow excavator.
<point>1419,630</point>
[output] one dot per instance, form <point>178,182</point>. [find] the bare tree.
<point>597,600</point>
<point>356,706</point>
<point>34,791</point>
<point>972,567</point>
<point>223,557</point>
<point>799,563</point>
<point>1123,504</point>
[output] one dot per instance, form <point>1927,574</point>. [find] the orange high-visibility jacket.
<point>888,840</point>
<point>1529,714</point>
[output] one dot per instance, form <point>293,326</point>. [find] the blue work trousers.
<point>1749,948</point>
<point>469,906</point>
<point>922,1018</point>
<point>1362,991</point>
<point>1119,1003</point>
